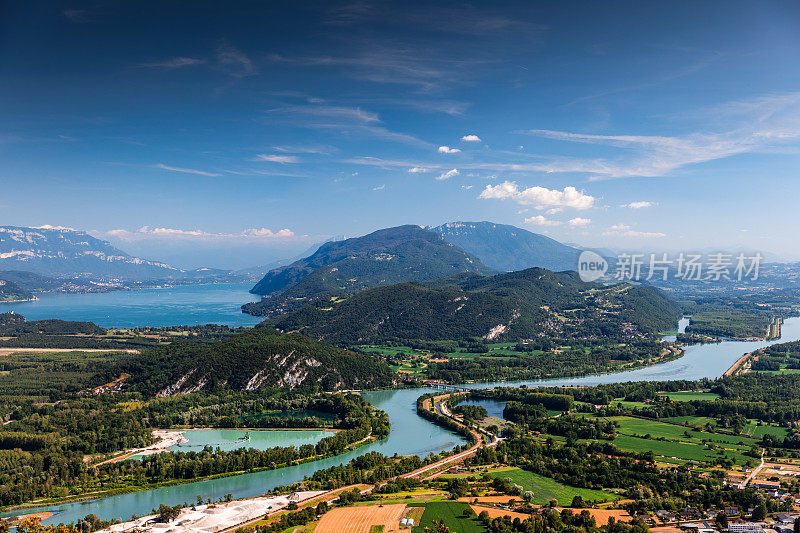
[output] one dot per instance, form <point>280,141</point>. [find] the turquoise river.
<point>410,434</point>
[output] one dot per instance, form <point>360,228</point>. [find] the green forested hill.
<point>11,292</point>
<point>511,306</point>
<point>13,324</point>
<point>261,357</point>
<point>392,255</point>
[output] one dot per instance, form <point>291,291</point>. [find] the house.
<point>764,484</point>
<point>732,511</point>
<point>784,519</point>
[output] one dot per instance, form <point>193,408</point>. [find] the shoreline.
<point>72,499</point>
<point>174,437</point>
<point>740,363</point>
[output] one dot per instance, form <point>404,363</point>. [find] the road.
<point>754,473</point>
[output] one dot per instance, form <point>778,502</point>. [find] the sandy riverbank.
<point>741,364</point>
<point>215,517</point>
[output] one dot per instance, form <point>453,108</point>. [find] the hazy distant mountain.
<point>505,247</point>
<point>55,251</point>
<point>387,256</point>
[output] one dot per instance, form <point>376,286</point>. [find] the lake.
<point>183,305</point>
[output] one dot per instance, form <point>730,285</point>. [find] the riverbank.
<point>742,365</point>
<point>170,438</point>
<point>215,517</point>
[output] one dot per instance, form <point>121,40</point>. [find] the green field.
<point>545,489</point>
<point>754,430</point>
<point>676,443</point>
<point>692,420</point>
<point>450,514</point>
<point>692,396</point>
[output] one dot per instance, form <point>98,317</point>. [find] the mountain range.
<point>384,257</point>
<point>506,248</point>
<point>502,307</point>
<point>55,251</point>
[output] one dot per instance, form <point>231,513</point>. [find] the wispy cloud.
<point>314,150</point>
<point>447,175</point>
<point>176,62</point>
<point>185,170</point>
<point>234,61</point>
<point>417,170</point>
<point>379,187</point>
<point>345,121</point>
<point>388,65</point>
<point>78,16</point>
<point>539,197</point>
<point>743,127</point>
<point>275,158</point>
<point>354,114</point>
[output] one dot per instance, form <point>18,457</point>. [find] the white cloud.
<point>448,150</point>
<point>274,158</point>
<point>539,197</point>
<point>148,233</point>
<point>637,205</point>
<point>624,230</point>
<point>379,187</point>
<point>466,187</point>
<point>447,175</point>
<point>185,170</point>
<point>578,221</point>
<point>417,170</point>
<point>471,138</point>
<point>540,220</point>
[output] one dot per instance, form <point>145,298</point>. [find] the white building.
<point>745,527</point>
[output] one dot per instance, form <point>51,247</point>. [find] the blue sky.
<point>235,133</point>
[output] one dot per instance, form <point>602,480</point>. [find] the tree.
<point>167,513</point>
<point>796,527</point>
<point>577,502</point>
<point>722,520</point>
<point>527,496</point>
<point>760,512</point>
<point>437,527</point>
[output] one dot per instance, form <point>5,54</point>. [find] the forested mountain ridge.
<point>261,357</point>
<point>505,248</point>
<point>384,257</point>
<point>11,292</point>
<point>504,307</point>
<point>63,251</point>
